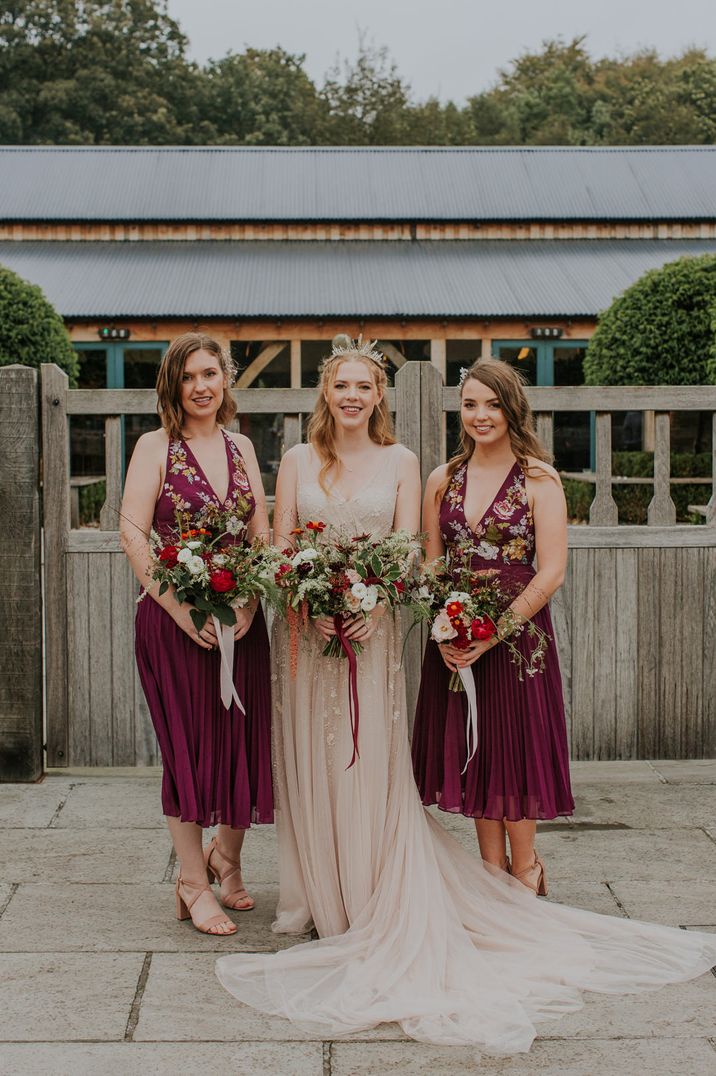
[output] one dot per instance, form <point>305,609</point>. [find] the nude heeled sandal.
<point>246,903</point>
<point>185,904</point>
<point>534,877</point>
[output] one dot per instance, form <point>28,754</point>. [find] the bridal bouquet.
<point>210,563</point>
<point>343,577</point>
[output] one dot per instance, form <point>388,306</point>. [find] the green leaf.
<point>164,587</point>
<point>198,619</point>
<point>224,614</point>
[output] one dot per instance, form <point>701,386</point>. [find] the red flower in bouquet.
<point>222,580</point>
<point>283,570</point>
<point>315,525</point>
<point>453,609</point>
<point>169,555</point>
<point>482,628</point>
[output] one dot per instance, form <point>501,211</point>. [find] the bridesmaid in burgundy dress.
<point>217,762</point>
<point>499,493</point>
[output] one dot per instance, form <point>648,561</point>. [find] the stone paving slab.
<point>31,806</point>
<point>162,1059</point>
<point>700,771</point>
<point>693,902</point>
<point>47,997</point>
<point>184,1001</point>
<point>104,918</point>
<point>678,1011</point>
<point>640,855</point>
<point>639,806</point>
<point>589,895</point>
<point>592,1057</point>
<point>113,803</point>
<point>614,772</point>
<point>54,855</point>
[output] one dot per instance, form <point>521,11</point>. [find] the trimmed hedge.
<point>659,331</point>
<point>31,330</point>
<point>633,501</point>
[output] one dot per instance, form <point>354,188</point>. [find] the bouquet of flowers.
<point>342,577</point>
<point>210,563</point>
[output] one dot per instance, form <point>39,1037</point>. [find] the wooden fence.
<point>635,620</point>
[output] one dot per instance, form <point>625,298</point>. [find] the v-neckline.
<point>202,472</point>
<point>492,502</point>
<point>366,485</point>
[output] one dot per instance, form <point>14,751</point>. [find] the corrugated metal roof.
<point>366,184</point>
<point>352,279</point>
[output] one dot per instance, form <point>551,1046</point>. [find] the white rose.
<point>370,600</point>
<point>196,565</point>
<point>359,590</point>
<point>184,555</point>
<point>193,545</point>
<point>442,629</point>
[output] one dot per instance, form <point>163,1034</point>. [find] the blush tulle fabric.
<point>413,928</point>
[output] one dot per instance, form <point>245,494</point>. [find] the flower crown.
<point>345,345</point>
<point>464,373</point>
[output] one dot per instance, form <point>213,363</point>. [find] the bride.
<point>412,928</point>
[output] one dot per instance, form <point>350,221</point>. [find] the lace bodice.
<point>370,510</point>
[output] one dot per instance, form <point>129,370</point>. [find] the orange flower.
<point>297,530</point>
<point>315,526</point>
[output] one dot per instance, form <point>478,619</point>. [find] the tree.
<point>367,100</point>
<point>659,331</point>
<point>31,330</point>
<point>263,98</point>
<point>111,72</point>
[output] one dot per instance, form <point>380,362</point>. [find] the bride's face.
<point>353,395</point>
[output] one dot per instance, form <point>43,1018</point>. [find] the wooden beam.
<point>262,360</point>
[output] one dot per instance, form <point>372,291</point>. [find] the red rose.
<point>169,555</point>
<point>482,628</point>
<point>222,580</point>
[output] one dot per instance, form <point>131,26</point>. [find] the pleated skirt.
<point>216,762</point>
<point>521,767</point>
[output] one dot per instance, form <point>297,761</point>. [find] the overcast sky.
<point>446,48</point>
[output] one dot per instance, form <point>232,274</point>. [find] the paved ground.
<point>96,975</point>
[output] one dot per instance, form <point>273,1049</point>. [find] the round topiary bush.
<point>659,331</point>
<point>31,330</point>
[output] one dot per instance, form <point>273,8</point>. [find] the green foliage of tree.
<point>263,98</point>
<point>116,72</point>
<point>659,331</point>
<point>31,330</point>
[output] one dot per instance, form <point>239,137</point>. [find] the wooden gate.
<point>635,620</point>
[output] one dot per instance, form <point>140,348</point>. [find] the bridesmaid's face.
<point>353,395</point>
<point>202,384</point>
<point>481,413</point>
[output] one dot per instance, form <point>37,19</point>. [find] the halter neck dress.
<point>216,762</point>
<point>521,767</point>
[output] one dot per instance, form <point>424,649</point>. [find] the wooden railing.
<point>635,621</point>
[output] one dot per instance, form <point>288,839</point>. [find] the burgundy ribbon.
<point>352,683</point>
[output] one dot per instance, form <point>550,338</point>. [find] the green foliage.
<point>91,500</point>
<point>633,501</point>
<point>116,72</point>
<point>659,331</point>
<point>31,330</point>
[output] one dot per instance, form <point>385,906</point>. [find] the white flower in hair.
<point>464,371</point>
<point>345,345</point>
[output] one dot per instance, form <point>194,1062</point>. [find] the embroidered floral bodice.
<point>505,534</point>
<point>187,489</point>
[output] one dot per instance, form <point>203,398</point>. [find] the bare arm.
<point>434,544</point>
<point>141,490</point>
<point>407,502</point>
<point>549,510</point>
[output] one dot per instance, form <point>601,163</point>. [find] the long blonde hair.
<point>169,377</point>
<point>508,386</point>
<point>321,430</point>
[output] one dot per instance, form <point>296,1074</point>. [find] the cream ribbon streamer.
<point>225,637</point>
<point>468,682</point>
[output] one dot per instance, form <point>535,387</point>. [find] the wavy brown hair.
<point>508,386</point>
<point>321,431</point>
<point>169,377</point>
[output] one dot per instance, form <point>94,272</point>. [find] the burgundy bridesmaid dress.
<point>521,767</point>
<point>217,762</point>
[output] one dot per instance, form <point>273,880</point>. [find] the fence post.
<point>418,425</point>
<point>56,523</point>
<point>20,581</point>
